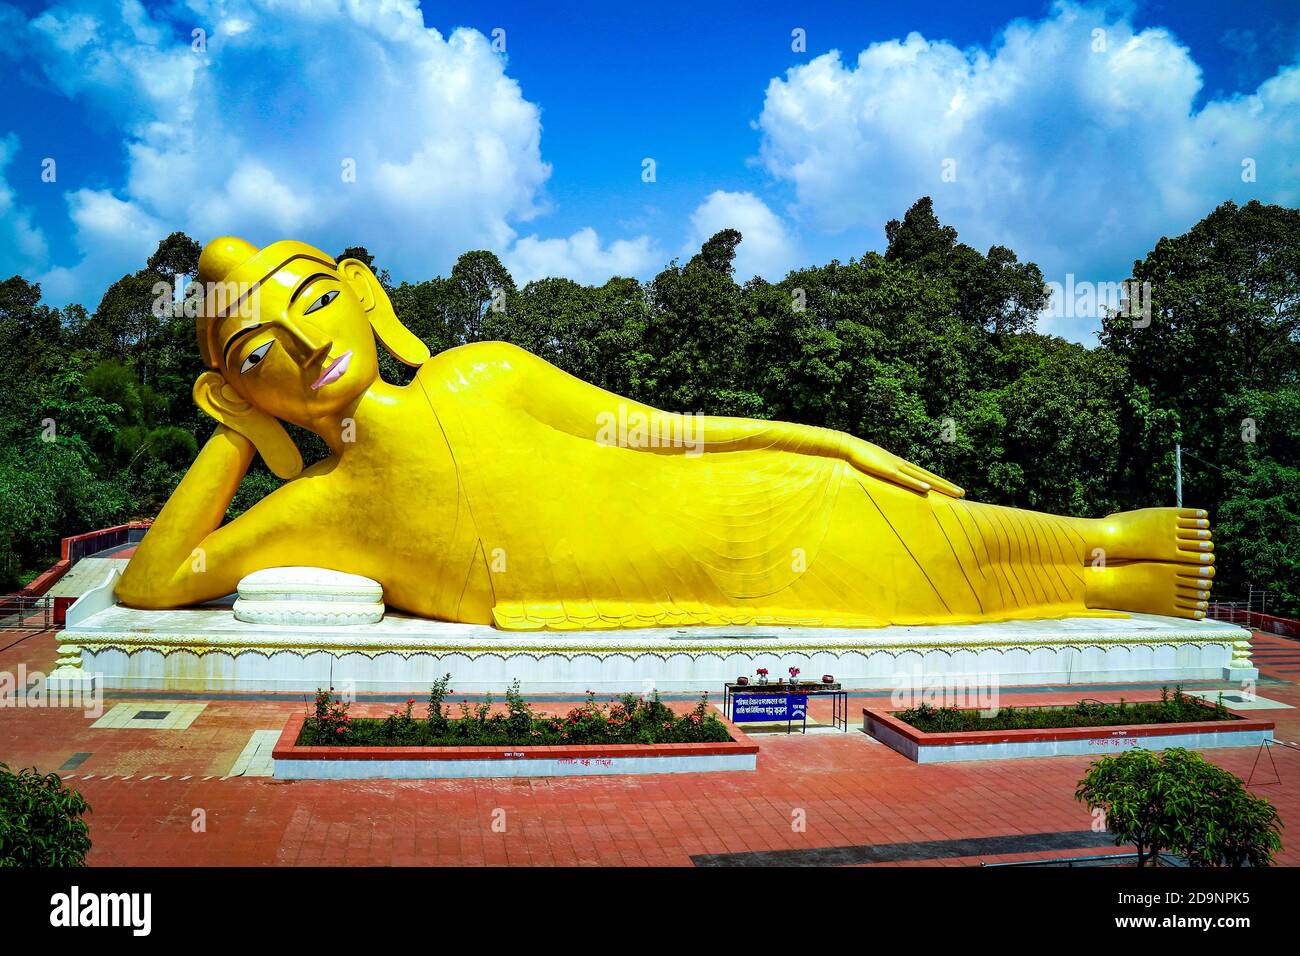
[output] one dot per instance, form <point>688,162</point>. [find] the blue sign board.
<point>751,707</point>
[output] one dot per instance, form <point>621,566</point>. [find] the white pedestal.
<point>208,650</point>
<point>1241,675</point>
<point>70,680</point>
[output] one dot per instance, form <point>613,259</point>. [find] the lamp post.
<point>1178,474</point>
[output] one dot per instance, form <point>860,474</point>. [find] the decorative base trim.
<point>207,649</point>
<point>308,613</point>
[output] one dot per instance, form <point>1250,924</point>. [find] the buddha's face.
<point>303,350</point>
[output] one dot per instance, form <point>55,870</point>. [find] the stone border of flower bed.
<point>294,762</point>
<point>922,747</point>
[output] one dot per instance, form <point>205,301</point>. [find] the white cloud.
<point>766,248</point>
<point>22,244</point>
<point>114,238</point>
<point>581,258</point>
<point>1076,157</point>
<point>255,136</point>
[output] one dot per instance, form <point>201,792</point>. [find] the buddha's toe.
<point>1151,587</point>
<point>1192,592</point>
<point>1192,536</point>
<point>1180,535</point>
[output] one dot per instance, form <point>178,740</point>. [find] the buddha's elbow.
<point>130,596</point>
<point>135,589</point>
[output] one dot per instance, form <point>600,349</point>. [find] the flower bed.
<point>1172,708</point>
<point>1212,729</point>
<point>626,736</point>
<point>628,720</point>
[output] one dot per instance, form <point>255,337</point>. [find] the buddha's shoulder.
<point>484,365</point>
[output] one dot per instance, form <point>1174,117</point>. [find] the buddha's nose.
<point>308,348</point>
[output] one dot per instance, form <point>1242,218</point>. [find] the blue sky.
<point>1076,133</point>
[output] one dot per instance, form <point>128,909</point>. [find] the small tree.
<point>40,820</point>
<point>1176,800</point>
<point>438,719</point>
<point>1235,828</point>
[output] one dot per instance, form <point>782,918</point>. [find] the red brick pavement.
<point>1275,656</point>
<point>851,790</point>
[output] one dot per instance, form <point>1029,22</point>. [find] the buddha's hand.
<point>879,463</point>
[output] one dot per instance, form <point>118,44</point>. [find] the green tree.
<point>995,292</point>
<point>1216,369</point>
<point>481,283</point>
<point>1176,800</point>
<point>692,354</point>
<point>177,256</point>
<point>41,821</point>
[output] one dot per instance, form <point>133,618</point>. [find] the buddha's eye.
<point>323,301</point>
<point>256,356</point>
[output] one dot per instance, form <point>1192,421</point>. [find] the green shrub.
<point>401,729</point>
<point>1175,708</point>
<point>329,725</point>
<point>41,820</point>
<point>628,720</point>
<point>519,716</point>
<point>438,716</point>
<point>1177,800</point>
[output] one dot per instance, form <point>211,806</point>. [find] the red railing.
<point>1236,612</point>
<point>76,547</point>
<point>92,542</point>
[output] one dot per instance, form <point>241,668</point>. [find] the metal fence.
<point>1239,610</point>
<point>1233,612</point>
<point>20,612</point>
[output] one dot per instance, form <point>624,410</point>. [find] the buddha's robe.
<point>579,532</point>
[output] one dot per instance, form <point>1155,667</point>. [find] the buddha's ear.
<point>214,395</point>
<point>397,338</point>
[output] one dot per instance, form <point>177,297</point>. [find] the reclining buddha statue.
<point>496,489</point>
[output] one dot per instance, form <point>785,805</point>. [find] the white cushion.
<point>308,596</point>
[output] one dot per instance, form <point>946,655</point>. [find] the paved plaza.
<point>184,780</point>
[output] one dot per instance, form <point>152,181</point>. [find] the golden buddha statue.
<point>496,489</point>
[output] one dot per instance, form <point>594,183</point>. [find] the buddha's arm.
<point>177,562</point>
<point>733,434</point>
<point>569,404</point>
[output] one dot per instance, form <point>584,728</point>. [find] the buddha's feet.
<point>1153,561</point>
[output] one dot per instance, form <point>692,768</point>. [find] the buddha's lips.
<point>334,372</point>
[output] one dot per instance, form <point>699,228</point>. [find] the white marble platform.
<point>208,649</point>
